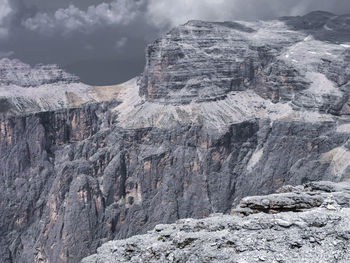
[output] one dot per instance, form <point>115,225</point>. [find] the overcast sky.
<point>103,41</point>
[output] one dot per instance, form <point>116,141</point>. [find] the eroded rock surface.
<point>280,61</point>
<point>319,232</point>
<point>26,90</point>
<point>15,72</point>
<point>222,111</point>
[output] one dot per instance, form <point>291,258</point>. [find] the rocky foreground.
<point>222,111</point>
<point>309,223</point>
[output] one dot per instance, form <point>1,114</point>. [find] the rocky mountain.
<point>308,223</point>
<point>222,111</point>
<point>25,89</point>
<point>17,73</point>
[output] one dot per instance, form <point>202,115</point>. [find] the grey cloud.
<point>163,14</point>
<point>5,12</point>
<point>67,20</point>
<point>121,42</point>
<point>168,13</point>
<point>6,54</point>
<point>104,41</point>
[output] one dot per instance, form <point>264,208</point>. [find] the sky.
<point>103,41</point>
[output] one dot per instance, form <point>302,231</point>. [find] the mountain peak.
<point>209,61</point>
<point>15,72</point>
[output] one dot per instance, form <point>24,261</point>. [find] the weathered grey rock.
<point>25,89</point>
<point>297,199</point>
<point>114,164</point>
<point>203,61</point>
<point>320,233</point>
<point>15,72</point>
<point>322,25</point>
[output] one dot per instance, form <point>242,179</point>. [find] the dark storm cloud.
<point>103,41</point>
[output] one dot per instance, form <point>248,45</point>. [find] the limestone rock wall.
<point>222,111</point>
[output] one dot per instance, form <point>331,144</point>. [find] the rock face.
<point>25,89</point>
<point>318,232</point>
<point>15,72</point>
<point>222,111</point>
<point>202,61</point>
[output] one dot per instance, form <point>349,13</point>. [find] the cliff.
<point>318,232</point>
<point>222,111</point>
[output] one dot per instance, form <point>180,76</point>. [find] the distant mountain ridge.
<point>15,72</point>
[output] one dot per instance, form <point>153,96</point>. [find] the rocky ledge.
<point>308,223</point>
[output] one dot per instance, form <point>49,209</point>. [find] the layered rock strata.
<point>222,111</point>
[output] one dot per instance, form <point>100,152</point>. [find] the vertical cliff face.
<point>203,61</point>
<point>222,111</point>
<point>66,194</point>
<point>308,223</point>
<point>32,188</point>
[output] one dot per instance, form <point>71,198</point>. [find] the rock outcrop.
<point>222,111</point>
<point>317,231</point>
